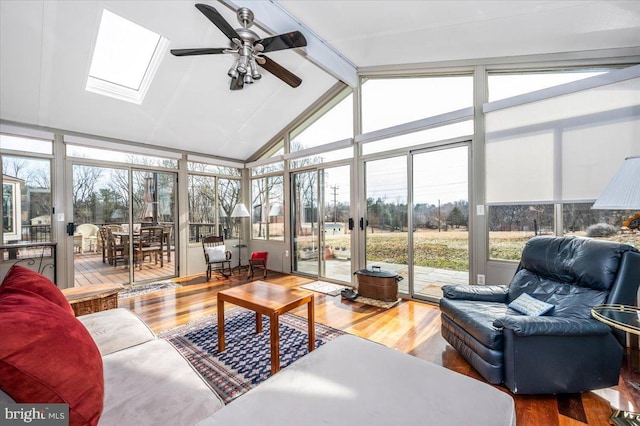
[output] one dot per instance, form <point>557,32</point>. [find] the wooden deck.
<point>410,327</point>
<point>89,270</point>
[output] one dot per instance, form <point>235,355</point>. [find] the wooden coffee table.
<point>267,299</point>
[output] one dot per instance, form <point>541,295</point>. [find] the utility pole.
<point>335,188</point>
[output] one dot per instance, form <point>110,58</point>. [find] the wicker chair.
<point>216,256</point>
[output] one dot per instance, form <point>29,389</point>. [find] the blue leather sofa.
<point>564,350</point>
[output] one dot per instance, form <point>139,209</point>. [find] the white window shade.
<point>563,148</point>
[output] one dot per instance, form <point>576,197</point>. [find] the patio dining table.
<point>124,238</point>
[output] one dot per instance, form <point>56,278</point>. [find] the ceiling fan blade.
<point>204,51</point>
<point>217,19</point>
<point>237,83</point>
<point>281,72</point>
<point>283,41</point>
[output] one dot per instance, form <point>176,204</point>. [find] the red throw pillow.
<point>48,356</point>
<point>26,279</point>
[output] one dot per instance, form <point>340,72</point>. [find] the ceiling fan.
<point>249,48</point>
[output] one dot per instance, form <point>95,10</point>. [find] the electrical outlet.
<point>286,253</point>
<point>481,279</point>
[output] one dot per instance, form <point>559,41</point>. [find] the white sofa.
<point>347,381</point>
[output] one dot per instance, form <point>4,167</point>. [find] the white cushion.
<point>116,329</point>
<point>353,381</point>
<point>531,306</point>
<point>216,254</point>
<point>152,384</point>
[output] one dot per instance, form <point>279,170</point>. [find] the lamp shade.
<point>623,191</point>
<point>240,211</point>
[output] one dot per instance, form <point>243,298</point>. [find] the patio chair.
<point>115,250</point>
<point>216,255</point>
<point>258,261</point>
<point>89,234</point>
<point>150,242</point>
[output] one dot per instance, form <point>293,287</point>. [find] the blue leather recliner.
<point>564,350</point>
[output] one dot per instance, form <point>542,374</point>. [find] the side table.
<point>625,318</point>
<point>96,298</point>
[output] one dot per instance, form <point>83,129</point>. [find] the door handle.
<point>363,223</point>
<point>71,228</point>
<point>351,224</point>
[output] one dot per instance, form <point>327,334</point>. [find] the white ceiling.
<point>46,48</point>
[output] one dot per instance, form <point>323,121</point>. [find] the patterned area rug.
<point>246,359</point>
<point>137,290</point>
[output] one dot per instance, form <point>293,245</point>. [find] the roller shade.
<point>562,148</point>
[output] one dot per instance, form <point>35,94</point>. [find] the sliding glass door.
<point>111,205</point>
<point>320,223</point>
<point>153,201</point>
<point>427,243</point>
<point>440,232</point>
<point>386,230</point>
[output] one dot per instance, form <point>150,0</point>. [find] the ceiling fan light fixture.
<point>255,74</point>
<point>233,73</point>
<point>249,47</point>
<point>243,64</point>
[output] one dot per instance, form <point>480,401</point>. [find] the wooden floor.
<point>410,327</point>
<point>90,270</point>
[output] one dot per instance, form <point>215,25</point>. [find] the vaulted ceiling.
<point>46,48</point>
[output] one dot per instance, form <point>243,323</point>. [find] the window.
<point>332,123</point>
<point>17,143</point>
<point>228,197</point>
<point>26,199</point>
<point>211,201</point>
<point>511,226</point>
<point>392,101</point>
<point>613,225</point>
<point>210,168</point>
<point>558,147</point>
<point>267,208</point>
<point>9,202</point>
<point>324,157</point>
<point>120,156</point>
<point>419,138</point>
<point>271,161</point>
<point>505,85</point>
<point>125,59</point>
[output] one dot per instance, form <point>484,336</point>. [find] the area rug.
<point>246,360</point>
<point>324,287</point>
<point>138,290</point>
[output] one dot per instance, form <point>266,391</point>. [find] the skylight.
<point>125,59</point>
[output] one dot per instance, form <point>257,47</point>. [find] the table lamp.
<point>623,192</point>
